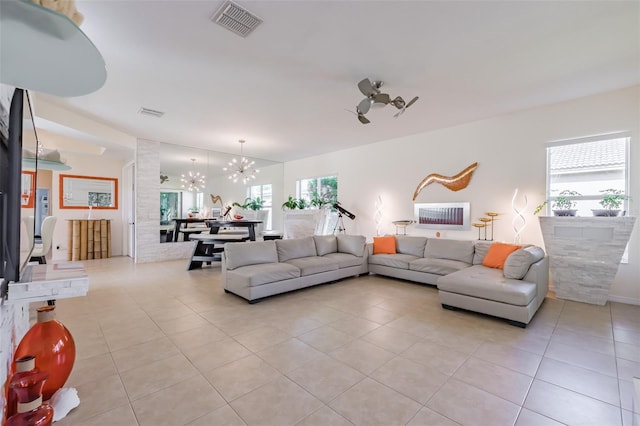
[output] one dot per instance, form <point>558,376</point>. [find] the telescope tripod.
<point>339,228</point>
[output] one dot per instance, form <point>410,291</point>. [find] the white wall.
<point>86,165</point>
<point>510,151</point>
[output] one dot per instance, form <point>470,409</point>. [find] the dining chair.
<point>40,250</point>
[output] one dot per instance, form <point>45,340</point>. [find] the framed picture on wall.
<point>28,189</point>
<point>455,216</point>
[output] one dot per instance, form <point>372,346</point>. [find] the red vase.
<point>53,346</point>
<point>31,410</point>
<point>23,367</point>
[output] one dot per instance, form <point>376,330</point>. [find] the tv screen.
<point>17,200</point>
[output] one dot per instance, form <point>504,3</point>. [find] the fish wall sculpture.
<point>454,183</point>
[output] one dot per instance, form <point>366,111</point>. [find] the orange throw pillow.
<point>497,255</point>
<point>384,245</point>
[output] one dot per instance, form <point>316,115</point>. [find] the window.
<point>265,193</point>
<point>319,192</point>
<point>325,187</point>
<point>588,166</point>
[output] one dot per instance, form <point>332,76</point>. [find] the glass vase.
<point>23,367</point>
<point>30,409</point>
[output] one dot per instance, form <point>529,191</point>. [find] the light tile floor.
<point>159,345</point>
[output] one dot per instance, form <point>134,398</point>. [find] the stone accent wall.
<point>148,247</point>
<point>14,323</point>
<point>584,254</point>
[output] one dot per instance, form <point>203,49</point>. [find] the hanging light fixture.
<point>241,169</point>
<point>193,181</point>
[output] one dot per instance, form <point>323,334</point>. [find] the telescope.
<point>343,211</point>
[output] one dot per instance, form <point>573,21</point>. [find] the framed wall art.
<point>454,216</point>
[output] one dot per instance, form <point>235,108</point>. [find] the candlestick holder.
<point>479,226</point>
<point>492,215</point>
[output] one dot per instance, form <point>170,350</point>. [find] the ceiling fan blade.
<point>364,105</point>
<point>412,102</point>
<point>398,102</point>
<point>382,98</point>
<point>366,87</point>
<point>363,119</point>
<point>399,113</point>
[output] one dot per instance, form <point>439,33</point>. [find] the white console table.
<point>50,281</point>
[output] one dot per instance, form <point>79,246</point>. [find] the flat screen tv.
<point>17,132</point>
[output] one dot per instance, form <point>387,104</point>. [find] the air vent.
<point>151,112</point>
<point>236,19</point>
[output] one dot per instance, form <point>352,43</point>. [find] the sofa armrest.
<point>369,249</point>
<point>538,273</point>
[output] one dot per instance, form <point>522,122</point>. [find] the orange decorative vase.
<point>53,346</point>
<point>30,409</point>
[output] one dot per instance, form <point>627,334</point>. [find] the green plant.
<point>539,207</point>
<point>321,201</point>
<point>563,202</point>
<point>613,199</point>
<point>251,203</point>
<point>291,203</point>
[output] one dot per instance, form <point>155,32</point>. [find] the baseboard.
<point>622,299</point>
<point>618,299</point>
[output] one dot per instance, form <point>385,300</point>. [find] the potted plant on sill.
<point>611,202</point>
<point>320,202</point>
<point>254,204</point>
<point>563,205</point>
<point>294,204</point>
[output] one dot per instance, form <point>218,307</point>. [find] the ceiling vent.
<point>151,112</point>
<point>236,19</point>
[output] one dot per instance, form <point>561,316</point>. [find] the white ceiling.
<point>287,87</point>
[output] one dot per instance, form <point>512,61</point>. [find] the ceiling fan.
<point>373,95</point>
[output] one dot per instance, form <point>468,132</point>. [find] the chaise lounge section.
<point>514,292</point>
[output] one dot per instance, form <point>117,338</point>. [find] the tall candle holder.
<point>479,226</point>
<point>492,215</point>
<point>486,221</point>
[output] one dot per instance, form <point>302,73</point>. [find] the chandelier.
<point>193,181</point>
<point>241,169</point>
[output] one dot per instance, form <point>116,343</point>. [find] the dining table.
<point>214,226</point>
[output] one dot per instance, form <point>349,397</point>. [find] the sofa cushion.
<point>352,244</point>
<point>414,246</point>
<point>517,264</point>
<point>488,283</point>
<point>480,251</point>
<point>398,260</point>
<point>437,266</point>
<point>384,245</point>
<point>313,265</point>
<point>450,249</point>
<point>344,260</point>
<point>265,273</point>
<point>497,255</point>
<point>250,253</point>
<point>325,244</point>
<point>295,248</point>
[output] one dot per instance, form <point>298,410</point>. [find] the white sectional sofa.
<point>455,267</point>
<point>254,270</point>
